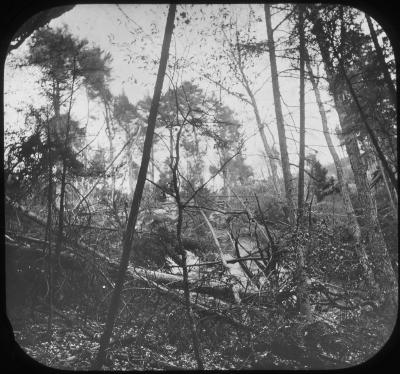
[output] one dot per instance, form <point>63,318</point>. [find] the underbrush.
<point>151,333</point>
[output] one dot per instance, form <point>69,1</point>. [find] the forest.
<point>201,187</point>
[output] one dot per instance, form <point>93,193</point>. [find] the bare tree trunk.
<point>303,291</point>
<point>64,172</point>
<point>287,176</point>
<point>344,188</point>
<point>130,230</point>
<point>59,237</point>
<point>382,63</point>
<point>300,197</point>
<point>48,232</point>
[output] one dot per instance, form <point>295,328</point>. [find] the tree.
<point>239,54</point>
<point>354,60</point>
<point>65,62</point>
<point>343,185</point>
<point>302,47</point>
<point>303,294</point>
<point>128,239</point>
<point>371,232</point>
<point>287,176</point>
<point>302,290</point>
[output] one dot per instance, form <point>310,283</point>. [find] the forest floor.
<point>72,347</point>
<point>151,329</point>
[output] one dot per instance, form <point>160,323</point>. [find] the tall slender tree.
<point>287,176</point>
<point>128,239</point>
<point>300,198</point>
<point>344,188</point>
<point>304,296</point>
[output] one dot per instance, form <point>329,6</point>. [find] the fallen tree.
<point>203,286</point>
<point>203,289</point>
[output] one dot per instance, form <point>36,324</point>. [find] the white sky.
<point>138,30</point>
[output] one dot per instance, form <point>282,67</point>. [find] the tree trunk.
<point>152,170</point>
<point>371,231</point>
<point>344,188</point>
<point>48,232</point>
<point>131,171</point>
<point>300,197</point>
<point>287,176</point>
<point>64,171</point>
<point>303,291</point>
<point>268,150</point>
<point>130,230</point>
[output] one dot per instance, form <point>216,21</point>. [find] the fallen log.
<point>210,287</point>
<point>217,292</point>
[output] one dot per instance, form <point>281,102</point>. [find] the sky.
<point>131,31</point>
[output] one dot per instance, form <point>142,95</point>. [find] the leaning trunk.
<point>130,229</point>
